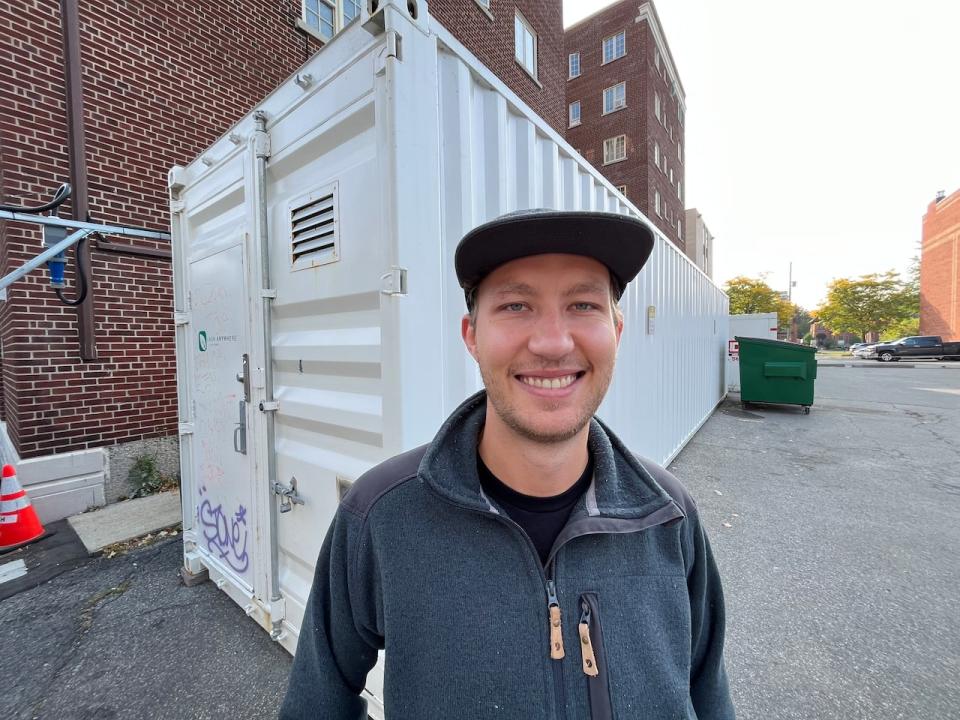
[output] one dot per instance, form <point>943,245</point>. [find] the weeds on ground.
<point>146,478</point>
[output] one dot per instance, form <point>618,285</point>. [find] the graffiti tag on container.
<point>226,536</point>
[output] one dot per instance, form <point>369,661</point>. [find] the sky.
<point>816,133</point>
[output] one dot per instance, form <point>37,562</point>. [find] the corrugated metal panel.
<point>667,382</point>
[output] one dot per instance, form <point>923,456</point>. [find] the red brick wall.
<point>940,269</point>
<point>637,121</point>
<point>491,39</point>
<point>162,80</point>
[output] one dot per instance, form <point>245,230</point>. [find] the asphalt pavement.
<point>837,535</point>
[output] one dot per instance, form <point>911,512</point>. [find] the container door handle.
<point>240,431</point>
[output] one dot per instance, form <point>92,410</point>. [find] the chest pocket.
<point>634,633</point>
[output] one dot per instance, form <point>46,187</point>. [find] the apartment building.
<point>940,268</point>
<point>625,108</point>
<point>698,241</point>
<point>87,390</point>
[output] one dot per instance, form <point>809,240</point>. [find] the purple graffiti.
<point>226,536</point>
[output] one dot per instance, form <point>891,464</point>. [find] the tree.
<point>871,303</point>
<point>749,295</point>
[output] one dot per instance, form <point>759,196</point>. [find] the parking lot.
<point>836,534</point>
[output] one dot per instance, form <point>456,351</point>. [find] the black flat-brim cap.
<point>621,242</point>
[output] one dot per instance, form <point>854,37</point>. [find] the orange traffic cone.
<point>18,520</point>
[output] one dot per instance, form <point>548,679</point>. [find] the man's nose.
<point>551,337</point>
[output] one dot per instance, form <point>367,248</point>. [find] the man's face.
<point>545,338</point>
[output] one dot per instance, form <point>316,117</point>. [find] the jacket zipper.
<point>594,660</point>
<point>556,643</point>
<point>553,601</point>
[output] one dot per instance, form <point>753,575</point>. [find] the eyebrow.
<point>525,290</point>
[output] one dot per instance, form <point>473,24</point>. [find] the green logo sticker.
<point>203,341</point>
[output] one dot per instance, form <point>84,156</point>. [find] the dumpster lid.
<point>775,343</point>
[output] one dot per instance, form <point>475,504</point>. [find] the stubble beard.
<point>516,421</point>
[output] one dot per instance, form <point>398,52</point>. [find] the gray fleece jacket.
<point>625,621</point>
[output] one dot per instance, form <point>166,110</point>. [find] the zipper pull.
<point>556,631</point>
<point>586,647</point>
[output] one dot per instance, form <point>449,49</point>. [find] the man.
<point>524,564</point>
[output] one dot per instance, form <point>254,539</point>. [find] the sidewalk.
<point>127,519</point>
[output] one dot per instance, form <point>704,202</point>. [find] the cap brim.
<point>621,242</point>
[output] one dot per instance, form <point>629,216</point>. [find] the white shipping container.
<point>318,311</point>
<point>755,325</point>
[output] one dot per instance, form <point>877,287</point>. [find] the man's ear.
<point>469,334</point>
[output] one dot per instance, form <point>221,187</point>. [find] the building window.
<point>615,98</point>
<point>679,113</point>
<point>657,205</point>
<point>351,11</point>
<point>657,109</point>
<point>679,229</point>
<point>320,16</point>
<point>671,176</point>
<point>525,45</point>
<point>615,46</point>
<point>679,183</point>
<point>574,113</point>
<point>679,152</point>
<point>656,58</point>
<point>656,154</point>
<point>574,65</point>
<point>622,189</point>
<point>615,149</point>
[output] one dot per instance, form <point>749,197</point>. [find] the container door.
<point>218,302</point>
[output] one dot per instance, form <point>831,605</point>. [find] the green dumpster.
<point>772,371</point>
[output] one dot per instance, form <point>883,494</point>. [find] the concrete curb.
<point>127,519</point>
<point>890,365</point>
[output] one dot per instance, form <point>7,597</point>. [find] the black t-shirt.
<point>542,518</point>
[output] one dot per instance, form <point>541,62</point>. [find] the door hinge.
<point>394,282</point>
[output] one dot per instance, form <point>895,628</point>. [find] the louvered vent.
<point>315,230</point>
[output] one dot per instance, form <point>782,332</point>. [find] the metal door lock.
<point>288,495</point>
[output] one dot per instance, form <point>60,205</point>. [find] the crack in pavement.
<point>85,621</point>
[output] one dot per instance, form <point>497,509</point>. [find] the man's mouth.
<point>549,383</point>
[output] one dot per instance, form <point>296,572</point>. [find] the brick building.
<point>698,241</point>
<point>625,108</point>
<point>940,268</point>
<point>88,390</point>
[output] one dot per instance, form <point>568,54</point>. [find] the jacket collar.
<point>622,488</point>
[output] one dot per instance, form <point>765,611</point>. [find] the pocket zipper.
<point>586,646</point>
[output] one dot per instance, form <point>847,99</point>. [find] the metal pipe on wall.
<point>70,24</point>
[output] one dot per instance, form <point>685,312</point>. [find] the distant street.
<point>840,566</point>
<point>840,561</point>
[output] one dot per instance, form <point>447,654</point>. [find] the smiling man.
<point>524,564</point>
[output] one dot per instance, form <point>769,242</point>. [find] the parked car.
<point>916,347</point>
<point>856,346</point>
<point>864,350</point>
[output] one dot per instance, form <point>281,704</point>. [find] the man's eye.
<point>584,306</point>
<point>513,307</point>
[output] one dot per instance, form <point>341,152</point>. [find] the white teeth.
<point>549,383</point>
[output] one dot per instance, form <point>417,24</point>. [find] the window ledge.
<point>527,71</point>
<point>573,77</point>
<point>611,112</point>
<point>614,162</point>
<point>311,31</point>
<point>573,125</point>
<point>607,62</point>
<point>483,9</point>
